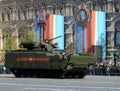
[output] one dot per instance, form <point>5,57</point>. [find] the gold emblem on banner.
<point>81,15</point>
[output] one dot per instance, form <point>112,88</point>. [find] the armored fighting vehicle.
<point>44,60</point>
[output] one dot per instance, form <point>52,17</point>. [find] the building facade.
<point>18,15</point>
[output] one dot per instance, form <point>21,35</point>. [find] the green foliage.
<point>99,53</point>
<point>27,36</point>
<point>10,43</point>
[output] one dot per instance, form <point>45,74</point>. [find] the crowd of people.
<point>105,68</point>
<point>3,69</point>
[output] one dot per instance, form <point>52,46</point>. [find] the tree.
<point>10,44</point>
<point>99,53</point>
<point>27,36</point>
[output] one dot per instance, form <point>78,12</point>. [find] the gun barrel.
<point>55,38</point>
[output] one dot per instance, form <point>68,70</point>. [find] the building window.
<point>62,11</point>
<point>108,24</point>
<point>3,17</point>
<point>95,7</point>
<point>8,16</point>
<point>117,7</point>
<point>110,39</point>
<point>103,7</point>
<point>54,11</point>
<point>117,42</point>
<point>25,14</point>
<point>19,18</point>
<point>117,36</point>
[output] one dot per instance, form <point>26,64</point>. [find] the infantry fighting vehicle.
<point>44,60</point>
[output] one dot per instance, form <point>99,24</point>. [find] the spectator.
<point>104,67</point>
<point>92,71</point>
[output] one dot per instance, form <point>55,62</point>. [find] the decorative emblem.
<point>41,18</point>
<point>81,15</point>
<point>41,15</point>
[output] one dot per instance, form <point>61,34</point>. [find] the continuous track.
<point>36,73</point>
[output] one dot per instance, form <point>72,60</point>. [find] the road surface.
<point>89,83</point>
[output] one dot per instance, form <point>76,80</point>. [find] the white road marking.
<point>57,88</point>
<point>72,89</point>
<point>31,85</point>
<point>43,89</point>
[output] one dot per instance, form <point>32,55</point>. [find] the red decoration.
<point>82,6</point>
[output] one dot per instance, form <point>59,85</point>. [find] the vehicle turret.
<point>45,45</point>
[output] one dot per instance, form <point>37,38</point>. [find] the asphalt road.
<point>89,83</point>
